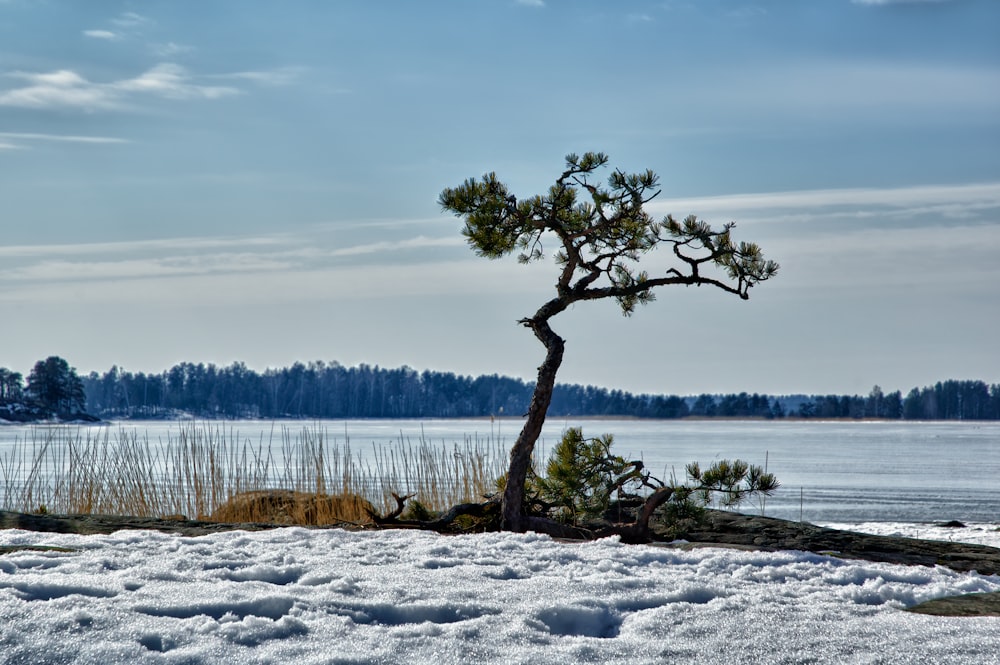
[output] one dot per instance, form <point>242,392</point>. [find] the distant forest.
<point>330,390</point>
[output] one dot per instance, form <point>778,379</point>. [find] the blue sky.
<point>257,181</point>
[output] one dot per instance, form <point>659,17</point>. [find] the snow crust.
<point>335,597</point>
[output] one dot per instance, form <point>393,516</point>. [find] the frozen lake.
<point>829,471</point>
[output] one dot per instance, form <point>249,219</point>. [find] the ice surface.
<point>328,596</point>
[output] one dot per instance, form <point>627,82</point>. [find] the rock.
<point>92,524</point>
<point>965,605</point>
<point>9,549</point>
<point>768,533</point>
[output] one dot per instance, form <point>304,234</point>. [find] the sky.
<point>330,596</point>
<point>257,182</point>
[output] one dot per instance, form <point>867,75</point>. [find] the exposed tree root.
<point>635,532</point>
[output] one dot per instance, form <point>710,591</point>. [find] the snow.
<point>296,595</point>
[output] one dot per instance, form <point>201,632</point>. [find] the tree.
<point>55,386</point>
<point>582,476</point>
<point>600,233</point>
<point>10,386</point>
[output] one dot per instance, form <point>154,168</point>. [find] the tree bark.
<point>512,517</point>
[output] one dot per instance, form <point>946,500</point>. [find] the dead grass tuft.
<point>288,507</point>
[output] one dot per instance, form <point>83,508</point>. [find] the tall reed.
<point>203,466</point>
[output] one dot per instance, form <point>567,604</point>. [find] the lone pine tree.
<point>601,232</point>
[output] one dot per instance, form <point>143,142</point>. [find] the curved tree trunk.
<point>512,517</point>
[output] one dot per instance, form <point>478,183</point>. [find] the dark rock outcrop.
<point>965,605</point>
<point>768,533</point>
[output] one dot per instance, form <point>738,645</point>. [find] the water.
<point>829,471</point>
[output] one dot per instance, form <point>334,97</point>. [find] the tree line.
<point>330,390</point>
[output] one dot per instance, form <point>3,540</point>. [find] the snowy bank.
<point>328,596</point>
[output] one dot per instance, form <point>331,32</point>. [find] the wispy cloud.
<point>850,238</point>
<point>74,271</point>
<point>61,138</point>
<point>163,268</point>
<point>159,246</point>
<point>280,76</point>
<point>172,81</point>
<point>420,242</point>
<point>530,3</point>
<point>193,255</point>
<point>299,284</point>
<point>48,265</point>
<point>834,88</point>
<point>321,265</point>
<point>131,20</point>
<point>750,11</point>
<point>128,24</point>
<point>62,88</point>
<point>170,49</point>
<point>66,89</point>
<point>101,34</point>
<point>131,26</point>
<point>898,2</point>
<point>975,195</point>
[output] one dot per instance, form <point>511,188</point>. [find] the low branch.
<point>557,529</point>
<point>442,524</point>
<point>391,517</point>
<point>463,510</point>
<point>653,501</point>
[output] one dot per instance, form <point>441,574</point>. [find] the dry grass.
<point>204,469</point>
<point>288,507</point>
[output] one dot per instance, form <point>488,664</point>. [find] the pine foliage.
<point>583,479</point>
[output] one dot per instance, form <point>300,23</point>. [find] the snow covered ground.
<point>310,596</point>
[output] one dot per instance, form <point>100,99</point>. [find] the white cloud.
<point>324,265</point>
<point>972,196</point>
<point>66,89</point>
<point>324,284</point>
<point>420,242</point>
<point>67,138</point>
<point>639,18</point>
<point>835,88</point>
<point>172,257</point>
<point>60,78</point>
<point>74,271</point>
<point>879,256</point>
<point>170,49</point>
<point>172,81</point>
<point>101,34</point>
<point>531,3</point>
<point>253,269</point>
<point>158,246</point>
<point>59,89</point>
<point>282,76</point>
<point>131,20</point>
<point>898,2</point>
<point>750,11</point>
